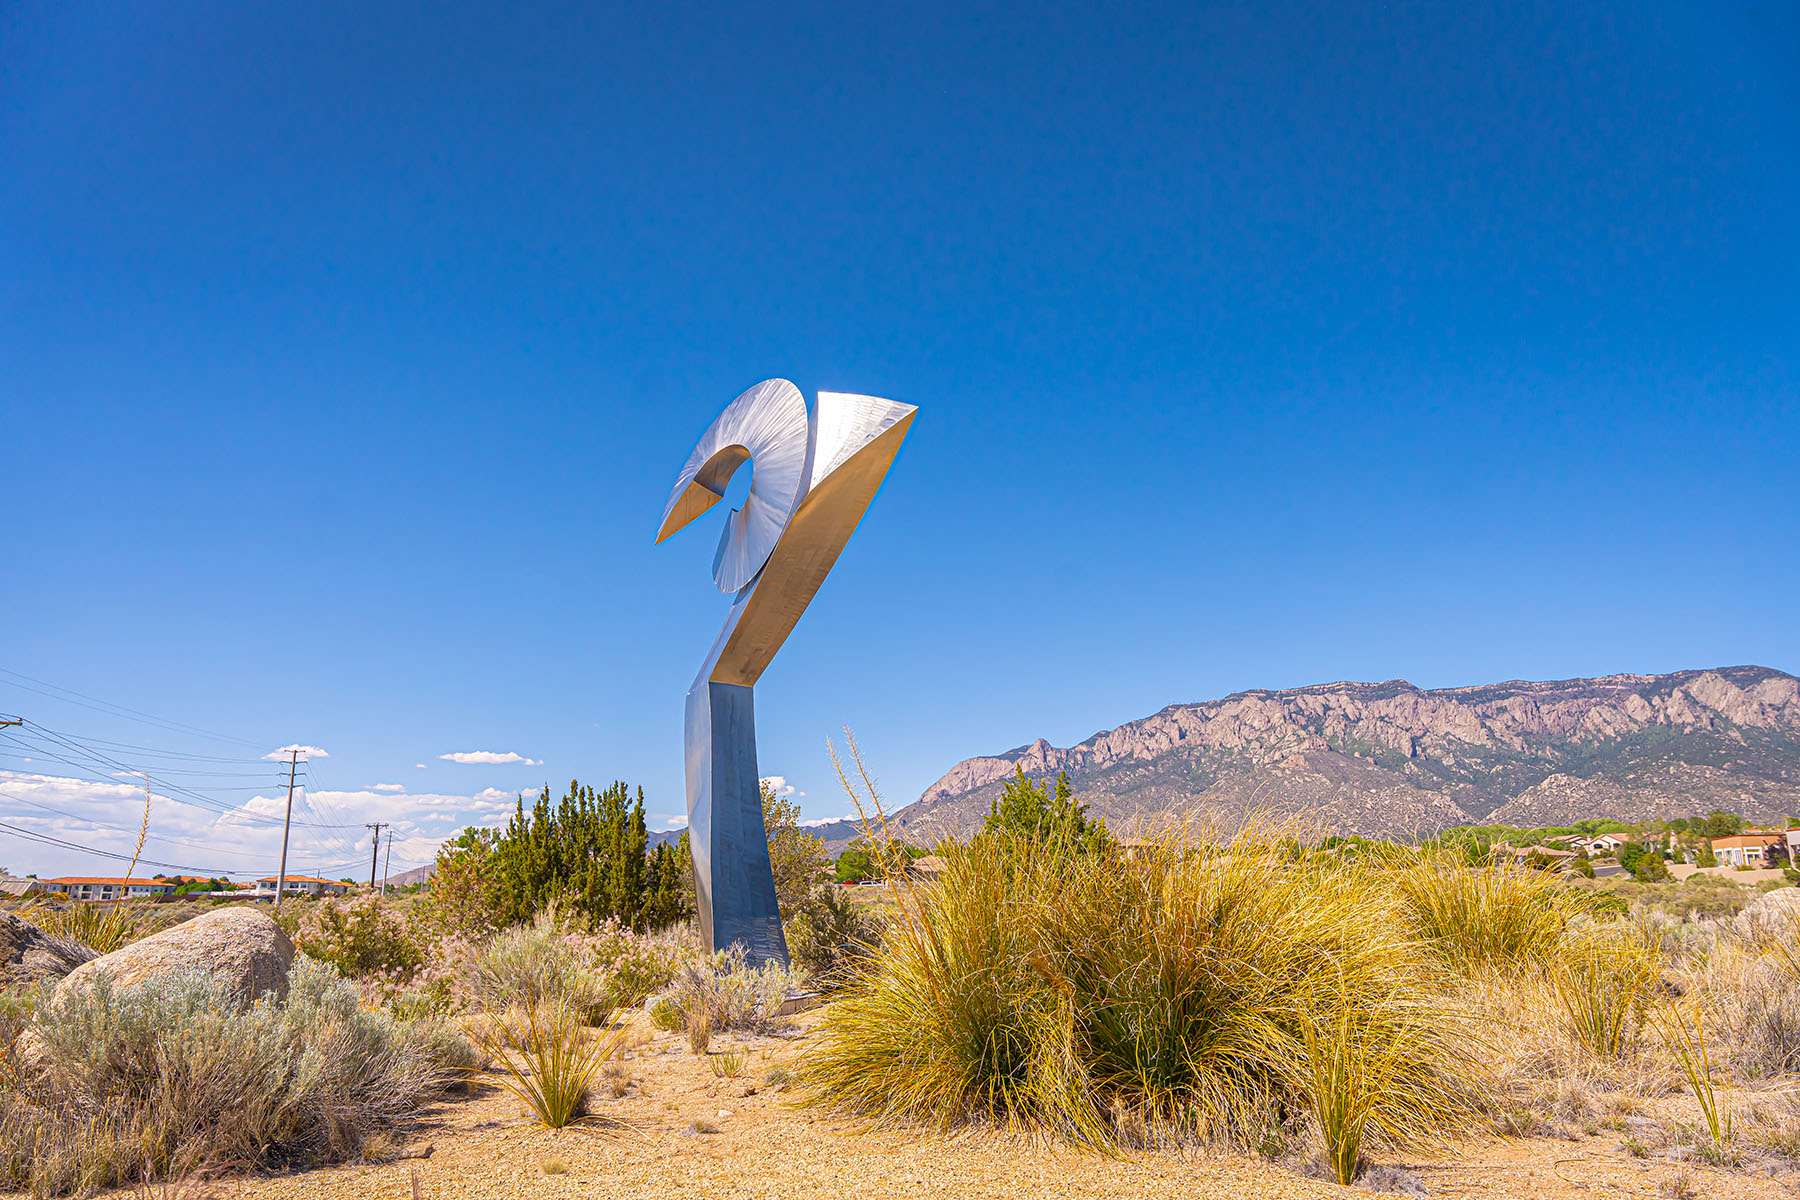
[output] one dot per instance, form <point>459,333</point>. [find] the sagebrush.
<point>153,1080</point>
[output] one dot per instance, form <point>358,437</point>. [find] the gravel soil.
<point>680,1130</point>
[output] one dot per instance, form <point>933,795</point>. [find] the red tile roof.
<point>91,880</point>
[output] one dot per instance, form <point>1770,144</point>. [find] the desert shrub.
<point>797,859</point>
<point>530,965</point>
<point>1484,915</point>
<point>360,936</point>
<point>630,965</point>
<point>153,1080</point>
<point>16,1007</point>
<point>553,960</point>
<point>699,1031</point>
<point>829,934</point>
<point>1207,991</point>
<point>665,1016</point>
<point>729,994</point>
<point>1752,1005</point>
<point>465,889</point>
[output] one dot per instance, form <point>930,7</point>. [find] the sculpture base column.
<point>734,885</point>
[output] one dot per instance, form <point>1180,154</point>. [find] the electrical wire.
<point>111,709</point>
<point>30,835</point>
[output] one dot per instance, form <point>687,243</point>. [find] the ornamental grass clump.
<point>1205,991</point>
<point>1603,980</point>
<point>1486,915</point>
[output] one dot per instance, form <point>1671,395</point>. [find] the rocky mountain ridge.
<point>1390,759</point>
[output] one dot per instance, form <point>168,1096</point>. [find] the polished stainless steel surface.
<point>836,459</point>
<point>767,425</point>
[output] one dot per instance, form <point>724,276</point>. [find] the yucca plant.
<point>100,926</point>
<point>1687,1042</point>
<point>103,926</point>
<point>1346,1077</point>
<point>726,1064</point>
<point>550,1058</point>
<point>1602,983</point>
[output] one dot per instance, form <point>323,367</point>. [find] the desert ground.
<point>680,1129</point>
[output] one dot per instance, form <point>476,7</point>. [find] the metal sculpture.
<point>813,477</point>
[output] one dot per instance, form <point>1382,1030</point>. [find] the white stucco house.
<point>308,885</point>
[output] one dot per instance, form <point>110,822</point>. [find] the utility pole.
<point>390,862</point>
<point>374,850</point>
<point>281,874</point>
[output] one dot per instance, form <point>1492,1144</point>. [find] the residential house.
<point>1747,849</point>
<point>11,886</point>
<point>928,868</point>
<point>1605,843</point>
<point>305,884</point>
<point>1546,851</point>
<point>96,887</point>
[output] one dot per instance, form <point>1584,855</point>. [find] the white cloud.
<point>781,785</point>
<point>421,766</point>
<point>814,824</point>
<point>243,841</point>
<point>305,752</point>
<point>387,787</point>
<point>669,822</point>
<point>490,757</point>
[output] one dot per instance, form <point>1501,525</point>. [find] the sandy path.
<point>765,1148</point>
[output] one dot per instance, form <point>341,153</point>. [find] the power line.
<point>155,837</point>
<point>99,762</point>
<point>29,835</point>
<point>111,709</point>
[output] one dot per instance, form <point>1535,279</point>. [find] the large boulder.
<point>1773,914</point>
<point>29,955</point>
<point>240,947</point>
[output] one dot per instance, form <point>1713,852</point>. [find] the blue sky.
<point>348,351</point>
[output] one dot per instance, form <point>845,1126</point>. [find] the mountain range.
<point>1394,760</point>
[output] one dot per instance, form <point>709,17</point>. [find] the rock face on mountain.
<point>1390,759</point>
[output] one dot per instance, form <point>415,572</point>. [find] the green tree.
<point>465,895</point>
<point>863,859</point>
<point>1719,823</point>
<point>796,857</point>
<point>1044,814</point>
<point>1707,857</point>
<point>589,851</point>
<point>855,863</point>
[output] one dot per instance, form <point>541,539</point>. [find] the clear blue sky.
<point>348,351</point>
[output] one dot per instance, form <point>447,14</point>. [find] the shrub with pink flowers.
<point>361,937</point>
